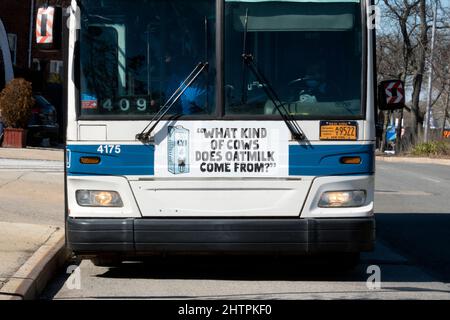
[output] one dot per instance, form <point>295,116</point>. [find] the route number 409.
<point>109,149</point>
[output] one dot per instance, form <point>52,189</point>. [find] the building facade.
<point>44,68</point>
<point>16,17</point>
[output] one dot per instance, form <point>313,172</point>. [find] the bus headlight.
<point>339,199</point>
<point>98,198</point>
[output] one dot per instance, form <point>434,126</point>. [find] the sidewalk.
<point>31,208</point>
<point>420,160</point>
<point>18,242</point>
<point>32,154</point>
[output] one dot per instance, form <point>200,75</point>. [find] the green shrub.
<point>16,102</point>
<point>432,148</point>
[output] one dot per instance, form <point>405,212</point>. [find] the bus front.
<point>219,126</point>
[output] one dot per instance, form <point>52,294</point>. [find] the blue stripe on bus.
<point>312,160</point>
<point>131,160</point>
<point>324,160</point>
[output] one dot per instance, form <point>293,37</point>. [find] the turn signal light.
<point>90,160</point>
<point>351,160</point>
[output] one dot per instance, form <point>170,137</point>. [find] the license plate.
<point>338,130</point>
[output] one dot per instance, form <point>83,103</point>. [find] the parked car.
<point>43,123</point>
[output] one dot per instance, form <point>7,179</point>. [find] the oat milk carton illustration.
<point>178,150</point>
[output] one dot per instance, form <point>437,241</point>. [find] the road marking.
<point>432,180</point>
<point>403,193</point>
<point>410,173</point>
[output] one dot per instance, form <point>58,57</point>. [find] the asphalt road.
<point>413,254</point>
<point>413,213</point>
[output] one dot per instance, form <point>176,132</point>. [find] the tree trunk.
<point>447,102</point>
<point>418,77</point>
<point>386,119</point>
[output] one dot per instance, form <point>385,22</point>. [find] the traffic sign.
<point>391,94</point>
<point>44,25</point>
<point>395,92</point>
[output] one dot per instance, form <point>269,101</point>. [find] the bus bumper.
<point>149,236</point>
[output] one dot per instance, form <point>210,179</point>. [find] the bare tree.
<point>405,43</point>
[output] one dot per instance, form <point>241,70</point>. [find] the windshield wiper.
<point>144,136</point>
<point>294,128</point>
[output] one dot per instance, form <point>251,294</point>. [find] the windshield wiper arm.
<point>294,128</point>
<point>244,68</point>
<point>144,136</point>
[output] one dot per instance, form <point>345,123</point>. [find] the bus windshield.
<point>309,52</point>
<point>135,54</point>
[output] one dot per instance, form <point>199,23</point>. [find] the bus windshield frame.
<point>213,46</point>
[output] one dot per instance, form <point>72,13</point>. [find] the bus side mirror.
<point>49,28</point>
<point>391,95</point>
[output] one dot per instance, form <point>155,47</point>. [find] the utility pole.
<point>430,77</point>
<point>30,35</point>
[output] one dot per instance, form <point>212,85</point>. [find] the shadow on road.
<point>424,238</point>
<point>234,267</point>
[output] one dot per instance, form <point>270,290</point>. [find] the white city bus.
<point>219,126</point>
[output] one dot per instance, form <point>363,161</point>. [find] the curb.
<point>445,162</point>
<point>32,277</point>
